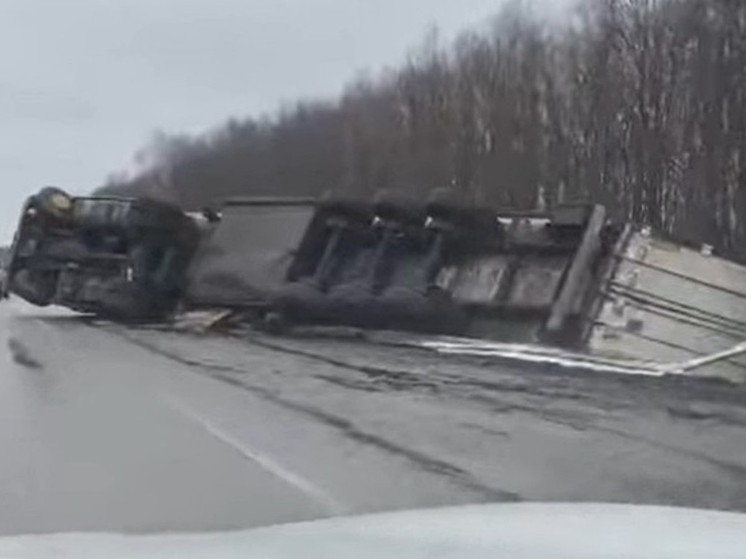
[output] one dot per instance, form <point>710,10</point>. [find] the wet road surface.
<point>108,428</point>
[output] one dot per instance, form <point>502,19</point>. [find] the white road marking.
<point>308,488</point>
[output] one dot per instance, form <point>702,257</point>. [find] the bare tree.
<point>637,104</point>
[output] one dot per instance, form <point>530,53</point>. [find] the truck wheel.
<point>445,201</point>
<point>38,288</point>
<point>352,208</point>
<point>274,323</point>
<point>398,206</point>
<point>55,202</point>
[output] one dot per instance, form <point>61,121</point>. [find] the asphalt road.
<point>105,428</point>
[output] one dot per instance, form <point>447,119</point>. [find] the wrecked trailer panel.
<point>671,302</point>
<point>122,258</point>
<point>246,255</point>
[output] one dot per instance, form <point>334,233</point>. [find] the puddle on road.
<point>22,355</point>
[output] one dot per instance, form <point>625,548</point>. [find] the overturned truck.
<point>568,278</point>
<point>117,257</point>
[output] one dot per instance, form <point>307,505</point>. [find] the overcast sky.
<point>84,83</point>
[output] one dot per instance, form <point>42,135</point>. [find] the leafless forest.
<point>637,104</point>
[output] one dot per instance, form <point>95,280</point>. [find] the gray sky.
<point>84,83</point>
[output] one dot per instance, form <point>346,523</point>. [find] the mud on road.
<point>123,429</point>
<point>506,433</point>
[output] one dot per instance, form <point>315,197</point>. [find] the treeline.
<point>637,104</point>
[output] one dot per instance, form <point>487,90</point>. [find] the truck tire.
<point>399,207</point>
<point>54,202</point>
<point>446,201</point>
<point>38,288</point>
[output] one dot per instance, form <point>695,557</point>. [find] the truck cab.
<point>118,257</point>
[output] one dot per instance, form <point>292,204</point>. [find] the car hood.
<point>527,531</point>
